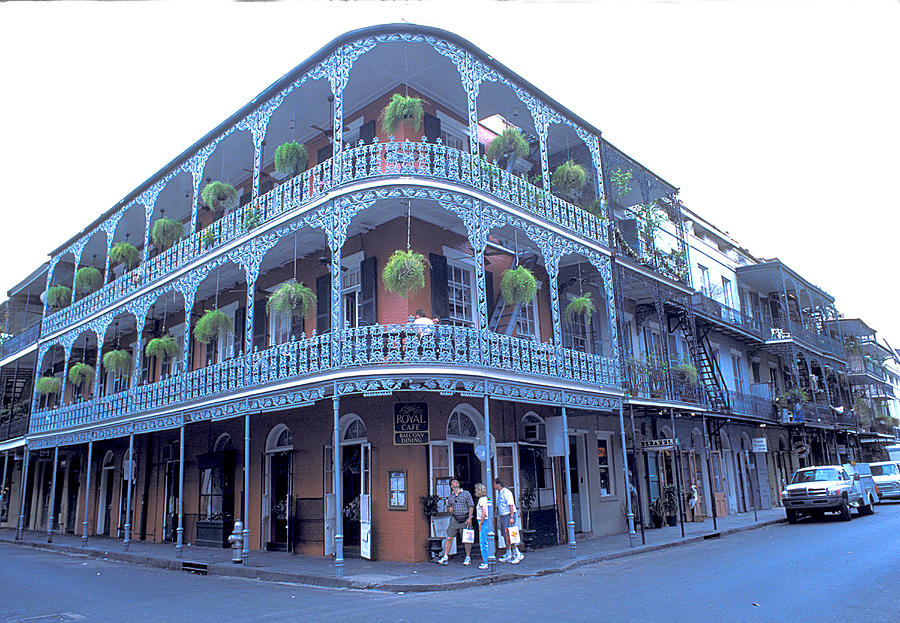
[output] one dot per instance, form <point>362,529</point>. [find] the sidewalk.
<point>392,576</point>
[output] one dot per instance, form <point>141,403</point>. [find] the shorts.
<point>503,523</point>
<point>455,527</point>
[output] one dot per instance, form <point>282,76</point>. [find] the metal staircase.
<point>506,316</point>
<point>708,372</point>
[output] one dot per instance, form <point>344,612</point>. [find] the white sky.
<point>777,119</point>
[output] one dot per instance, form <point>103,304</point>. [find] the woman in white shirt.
<point>483,513</point>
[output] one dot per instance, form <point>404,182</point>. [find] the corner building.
<point>294,425</point>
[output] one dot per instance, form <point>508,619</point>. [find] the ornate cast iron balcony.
<point>363,163</point>
<point>372,346</point>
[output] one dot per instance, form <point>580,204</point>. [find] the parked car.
<point>886,475</point>
<point>830,489</point>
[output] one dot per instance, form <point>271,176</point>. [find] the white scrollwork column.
<point>338,75</point>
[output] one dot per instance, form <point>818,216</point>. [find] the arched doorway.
<point>215,519</point>
<point>356,485</point>
<point>278,490</point>
<point>104,506</point>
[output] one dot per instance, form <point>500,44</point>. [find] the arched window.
<point>352,428</point>
<point>461,424</point>
<point>223,443</point>
<point>279,439</point>
<point>109,459</point>
<point>533,429</point>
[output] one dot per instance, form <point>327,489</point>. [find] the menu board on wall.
<point>411,424</point>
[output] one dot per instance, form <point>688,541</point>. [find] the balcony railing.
<point>753,406</point>
<point>24,339</point>
<point>788,328</point>
<point>650,380</point>
<point>728,315</point>
<point>13,426</point>
<point>366,162</point>
<point>377,345</point>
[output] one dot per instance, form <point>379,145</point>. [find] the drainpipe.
<point>87,496</point>
<point>127,542</point>
<point>636,468</point>
<point>52,496</point>
<point>570,524</point>
<point>630,514</point>
<point>21,524</point>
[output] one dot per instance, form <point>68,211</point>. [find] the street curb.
<point>322,581</point>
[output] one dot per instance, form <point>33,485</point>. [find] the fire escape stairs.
<point>708,372</point>
<point>506,315</point>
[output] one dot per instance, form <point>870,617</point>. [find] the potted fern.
<point>404,272</point>
<point>87,280</point>
<point>166,232</point>
<point>81,375</point>
<point>518,286</point>
<point>295,298</point>
<point>290,159</point>
<point>210,323</point>
<point>47,385</point>
<point>251,218</point>
<point>508,146</point>
<point>209,239</point>
<point>162,347</point>
<point>621,180</point>
<point>126,254</point>
<point>684,372</point>
<point>580,306</point>
<point>402,111</point>
<point>118,361</point>
<point>430,508</point>
<point>569,178</point>
<point>59,296</point>
<point>219,196</point>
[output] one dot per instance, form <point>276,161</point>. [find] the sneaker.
<point>517,559</point>
<point>442,560</point>
<point>505,558</point>
<point>467,561</point>
<point>483,566</point>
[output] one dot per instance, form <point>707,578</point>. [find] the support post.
<point>753,490</point>
<point>3,482</point>
<point>676,471</point>
<point>489,485</point>
<point>570,523</point>
<point>87,495</point>
<point>179,532</point>
<point>52,496</point>
<point>630,511</point>
<point>127,542</point>
<point>636,467</point>
<point>709,475</point>
<point>21,525</point>
<point>336,459</point>
<point>245,511</point>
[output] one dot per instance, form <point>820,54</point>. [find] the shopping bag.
<point>514,535</point>
<point>468,535</point>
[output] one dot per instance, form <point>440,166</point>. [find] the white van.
<point>886,475</point>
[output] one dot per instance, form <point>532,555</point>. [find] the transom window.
<point>533,429</point>
<point>459,290</point>
<point>461,425</point>
<point>355,430</point>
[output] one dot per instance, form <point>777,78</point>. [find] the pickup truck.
<point>886,475</point>
<point>830,489</point>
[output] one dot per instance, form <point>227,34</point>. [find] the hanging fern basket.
<point>404,272</point>
<point>291,159</point>
<point>125,253</point>
<point>510,142</point>
<point>161,347</point>
<point>59,297</point>
<point>295,298</point>
<point>580,306</point>
<point>402,109</point>
<point>518,286</point>
<point>207,328</point>
<point>219,196</point>
<point>118,361</point>
<point>47,385</point>
<point>87,280</point>
<point>166,232</point>
<point>569,177</point>
<point>81,375</point>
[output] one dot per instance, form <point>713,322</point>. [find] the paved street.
<point>814,571</point>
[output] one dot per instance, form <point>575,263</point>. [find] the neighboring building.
<point>322,430</point>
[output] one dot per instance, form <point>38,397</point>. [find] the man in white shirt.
<point>506,508</point>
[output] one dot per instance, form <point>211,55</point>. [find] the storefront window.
<point>605,464</point>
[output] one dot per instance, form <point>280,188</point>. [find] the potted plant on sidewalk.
<point>657,512</point>
<point>430,508</point>
<point>529,495</point>
<point>671,504</point>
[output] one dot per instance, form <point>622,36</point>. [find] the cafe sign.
<point>411,424</point>
<point>658,444</point>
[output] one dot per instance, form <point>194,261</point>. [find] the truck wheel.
<point>845,510</point>
<point>867,509</point>
<point>792,515</point>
